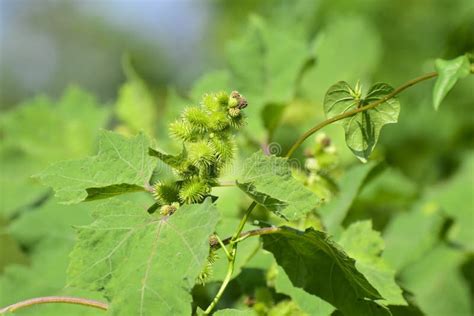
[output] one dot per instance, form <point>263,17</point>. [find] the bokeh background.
<point>68,68</point>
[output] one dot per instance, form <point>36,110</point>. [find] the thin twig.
<point>54,299</point>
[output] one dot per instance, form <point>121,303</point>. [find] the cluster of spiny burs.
<point>206,132</point>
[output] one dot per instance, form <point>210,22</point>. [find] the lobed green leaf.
<point>145,264</point>
<point>268,180</point>
<point>122,165</point>
<point>40,132</point>
<point>365,245</point>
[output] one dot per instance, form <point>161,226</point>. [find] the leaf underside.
<point>268,180</point>
<point>320,267</point>
<point>365,245</point>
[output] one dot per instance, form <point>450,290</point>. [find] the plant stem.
<point>347,114</point>
<point>243,221</point>
<point>245,235</point>
<point>222,245</point>
<point>54,299</point>
<point>230,258</point>
<point>228,276</point>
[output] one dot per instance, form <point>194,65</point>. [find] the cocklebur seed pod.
<point>210,102</point>
<point>197,117</point>
<point>182,130</point>
<point>224,149</point>
<point>169,209</point>
<point>237,121</point>
<point>165,193</point>
<point>234,112</point>
<point>241,101</point>
<point>222,98</point>
<point>233,102</point>
<point>218,121</point>
<point>207,270</point>
<point>200,153</point>
<point>193,191</point>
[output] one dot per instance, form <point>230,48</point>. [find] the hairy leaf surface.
<point>122,165</point>
<point>449,72</point>
<point>319,266</point>
<point>362,130</point>
<point>145,263</point>
<point>268,180</point>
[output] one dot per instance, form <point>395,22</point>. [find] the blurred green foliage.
<point>283,56</point>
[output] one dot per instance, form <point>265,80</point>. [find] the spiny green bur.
<point>208,145</point>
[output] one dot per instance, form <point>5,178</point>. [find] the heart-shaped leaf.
<point>362,129</point>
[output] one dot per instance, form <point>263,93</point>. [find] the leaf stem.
<point>222,245</point>
<point>54,299</point>
<point>231,258</point>
<point>339,117</point>
<point>245,235</point>
<point>243,221</point>
<point>228,276</point>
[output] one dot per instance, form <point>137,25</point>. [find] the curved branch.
<point>339,117</point>
<point>54,299</point>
